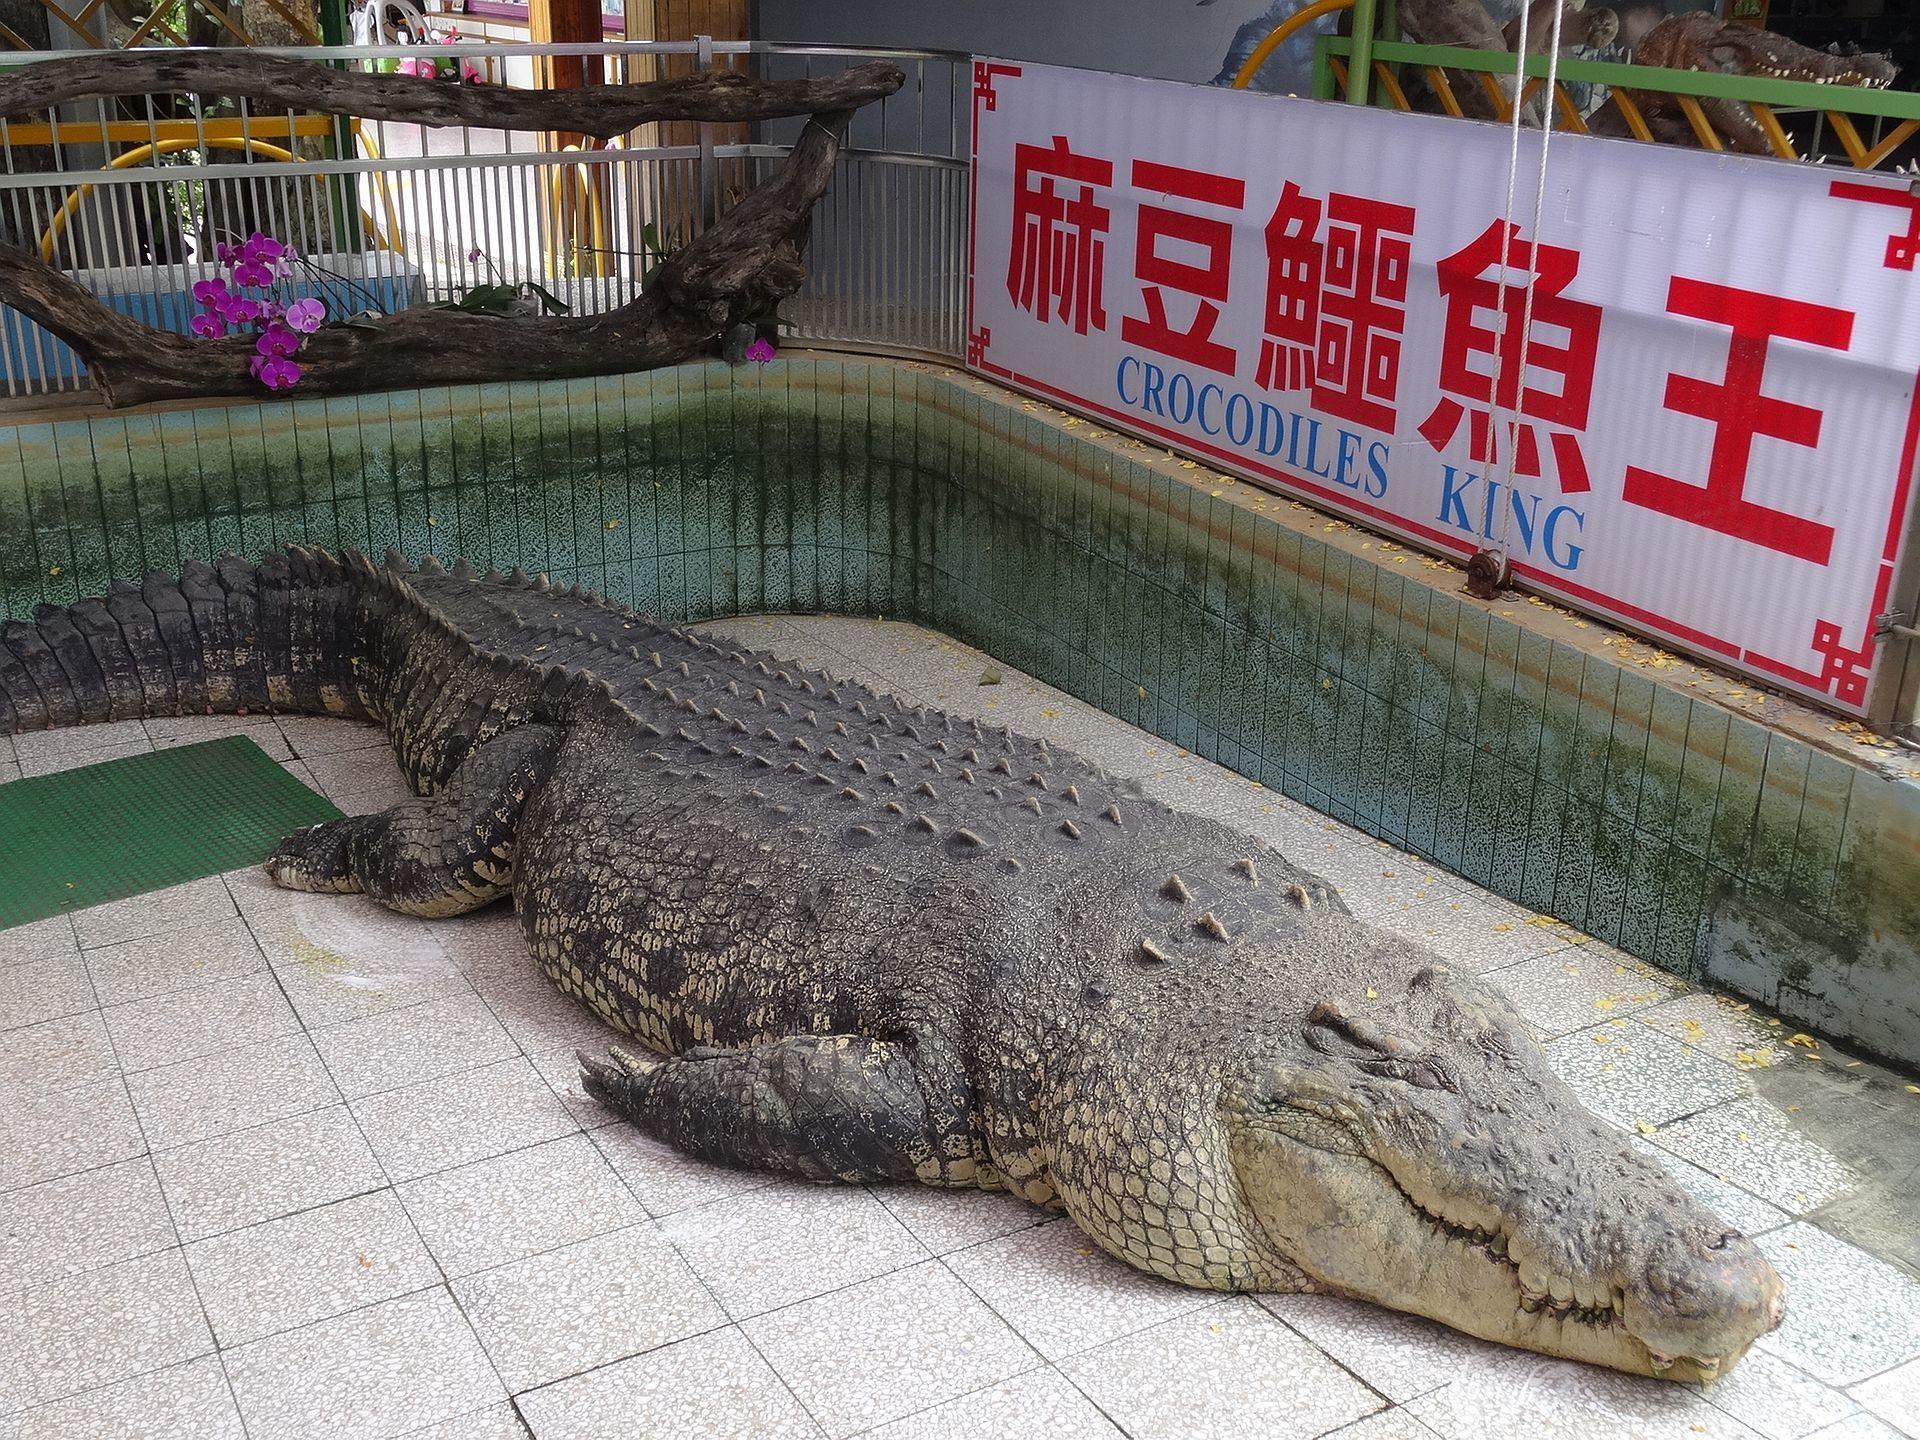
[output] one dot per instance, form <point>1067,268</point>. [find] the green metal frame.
<point>1791,94</point>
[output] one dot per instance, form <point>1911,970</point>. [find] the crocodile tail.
<point>283,636</point>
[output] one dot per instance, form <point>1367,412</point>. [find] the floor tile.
<point>1722,1027</point>
<point>713,1386</point>
<point>397,1366</point>
<point>1063,1293</point>
<point>888,1347</point>
<point>585,1305</point>
<point>1038,1403</point>
<point>420,1042</point>
<point>30,769</point>
<point>1573,989</point>
<point>1539,1399</point>
<point>38,940</point>
<point>1894,1397</point>
<point>290,1272</point>
<point>1849,1316</point>
<point>1399,1355</point>
<point>197,902</point>
<point>664,1179</point>
<point>1395,1424</point>
<point>788,1242</point>
<point>182,1402</point>
<point>540,1018</point>
<point>311,735</point>
<point>56,1053</point>
<point>495,1422</point>
<point>232,1090</point>
<point>1633,1076</point>
<point>192,1023</point>
<point>458,1119</point>
<point>261,1174</point>
<point>255,896</point>
<point>83,1124</point>
<point>1219,1373</point>
<point>1777,1400</point>
<point>180,959</point>
<point>507,1208</point>
<point>487,944</point>
<point>74,740</point>
<point>37,990</point>
<point>1861,1427</point>
<point>1748,1214</point>
<point>95,1328</point>
<point>1472,934</point>
<point>1750,1144</point>
<point>946,1220</point>
<point>166,731</point>
<point>343,958</point>
<point>81,1222</point>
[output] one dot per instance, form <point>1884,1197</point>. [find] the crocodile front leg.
<point>823,1107</point>
<point>438,855</point>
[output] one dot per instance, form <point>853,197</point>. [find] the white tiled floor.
<point>301,1166</point>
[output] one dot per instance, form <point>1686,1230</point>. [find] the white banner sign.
<point>1714,436</point>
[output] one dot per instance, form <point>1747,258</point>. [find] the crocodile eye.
<point>1420,1072</point>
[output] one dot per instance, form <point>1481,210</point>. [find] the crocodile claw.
<point>614,1079</point>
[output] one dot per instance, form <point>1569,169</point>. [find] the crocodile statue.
<point>854,939</point>
<point>1699,40</point>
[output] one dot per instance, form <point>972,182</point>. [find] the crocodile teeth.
<point>1069,829</point>
<point>1209,924</point>
<point>1298,895</point>
<point>1150,953</point>
<point>1112,812</point>
<point>1071,795</point>
<point>1247,869</point>
<point>1174,888</point>
<point>1032,804</point>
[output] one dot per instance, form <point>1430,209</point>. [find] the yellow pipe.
<point>1284,32</point>
<point>394,243</point>
<point>78,197</point>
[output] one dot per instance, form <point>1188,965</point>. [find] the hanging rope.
<point>1506,241</point>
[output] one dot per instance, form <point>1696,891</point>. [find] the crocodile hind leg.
<point>823,1107</point>
<point>438,855</point>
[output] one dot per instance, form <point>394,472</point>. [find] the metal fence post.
<point>709,172</point>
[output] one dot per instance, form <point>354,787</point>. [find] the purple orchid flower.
<point>210,292</point>
<point>276,341</point>
<point>761,352</point>
<point>252,273</point>
<point>206,327</point>
<point>275,373</point>
<point>306,316</point>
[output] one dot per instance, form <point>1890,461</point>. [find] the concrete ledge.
<point>1683,816</point>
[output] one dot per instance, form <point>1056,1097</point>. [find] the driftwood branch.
<point>275,83</point>
<point>748,260</point>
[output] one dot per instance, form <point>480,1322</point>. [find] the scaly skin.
<point>852,940</point>
<point>1700,41</point>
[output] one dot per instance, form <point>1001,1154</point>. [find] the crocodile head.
<point>1699,41</point>
<point>1415,1150</point>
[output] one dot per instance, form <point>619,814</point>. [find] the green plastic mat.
<point>103,832</point>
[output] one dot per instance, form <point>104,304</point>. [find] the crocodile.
<point>1699,40</point>
<point>844,937</point>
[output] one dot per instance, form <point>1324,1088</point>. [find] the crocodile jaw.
<point>1419,1153</point>
<point>1348,1224</point>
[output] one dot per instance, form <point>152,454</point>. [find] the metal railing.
<point>131,198</point>
<point>1800,120</point>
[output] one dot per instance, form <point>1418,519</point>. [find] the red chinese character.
<point>1293,293</point>
<point>1337,306</point>
<point>1057,260</point>
<point>1469,280</point>
<point>1740,411</point>
<point>1206,283</point>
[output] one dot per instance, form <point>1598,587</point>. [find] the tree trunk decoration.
<point>745,262</point>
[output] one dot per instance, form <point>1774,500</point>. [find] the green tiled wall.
<point>1543,769</point>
